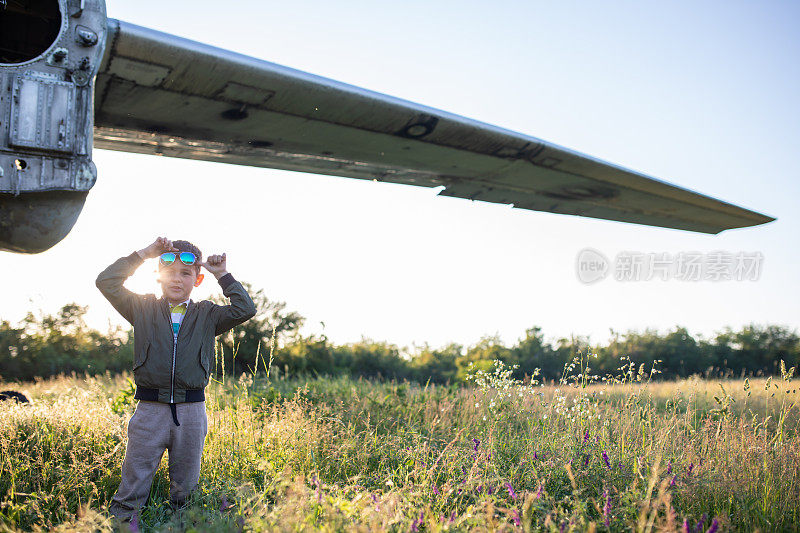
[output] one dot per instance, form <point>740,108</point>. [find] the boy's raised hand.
<point>159,246</point>
<point>216,264</point>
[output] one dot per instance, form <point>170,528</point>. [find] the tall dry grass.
<point>339,454</point>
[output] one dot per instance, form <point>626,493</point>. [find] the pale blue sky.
<point>703,95</point>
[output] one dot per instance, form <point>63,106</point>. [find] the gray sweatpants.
<point>151,431</point>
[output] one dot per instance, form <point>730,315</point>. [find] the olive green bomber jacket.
<point>164,370</point>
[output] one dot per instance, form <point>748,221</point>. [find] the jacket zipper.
<point>172,382</point>
<point>174,350</point>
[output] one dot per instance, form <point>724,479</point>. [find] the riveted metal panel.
<point>42,113</point>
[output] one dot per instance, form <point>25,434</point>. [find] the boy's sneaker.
<point>129,524</point>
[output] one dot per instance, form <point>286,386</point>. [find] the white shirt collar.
<point>186,302</point>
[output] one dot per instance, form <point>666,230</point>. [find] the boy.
<point>173,356</point>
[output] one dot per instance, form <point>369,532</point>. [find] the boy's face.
<point>177,281</point>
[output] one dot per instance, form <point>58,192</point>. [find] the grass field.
<point>338,454</point>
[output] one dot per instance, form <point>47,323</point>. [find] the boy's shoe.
<point>125,525</point>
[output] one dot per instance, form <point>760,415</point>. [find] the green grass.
<point>339,454</point>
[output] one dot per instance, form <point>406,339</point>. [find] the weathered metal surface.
<point>35,221</point>
<point>52,50</point>
<point>161,94</point>
<point>42,113</point>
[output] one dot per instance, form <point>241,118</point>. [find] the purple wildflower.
<point>475,444</point>
<point>318,487</point>
<point>586,460</point>
<point>225,504</point>
<point>452,517</point>
<point>535,455</point>
<point>489,457</point>
<point>605,460</point>
<point>607,509</point>
<point>686,528</point>
<point>511,490</point>
<point>134,524</point>
<point>562,528</point>
<point>586,436</point>
<point>480,488</point>
<point>460,491</point>
<point>669,468</point>
<point>674,479</point>
<point>515,518</point>
<point>417,521</point>
<point>691,466</point>
<point>436,490</point>
<point>699,527</point>
<point>714,527</point>
<point>539,492</point>
<point>489,490</point>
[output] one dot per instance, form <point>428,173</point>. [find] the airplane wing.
<point>160,94</point>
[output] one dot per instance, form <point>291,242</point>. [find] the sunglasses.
<point>167,258</point>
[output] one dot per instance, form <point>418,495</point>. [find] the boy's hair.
<point>186,246</point>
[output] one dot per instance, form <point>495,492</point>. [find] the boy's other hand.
<point>159,246</point>
<point>217,265</point>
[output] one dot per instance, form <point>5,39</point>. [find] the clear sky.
<point>703,95</point>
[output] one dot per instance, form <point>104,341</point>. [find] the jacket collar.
<point>191,305</point>
<point>185,302</point>
<point>164,300</point>
<point>165,305</point>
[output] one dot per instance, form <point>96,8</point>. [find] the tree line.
<point>62,343</point>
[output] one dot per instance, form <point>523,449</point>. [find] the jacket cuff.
<point>226,280</point>
<point>135,259</point>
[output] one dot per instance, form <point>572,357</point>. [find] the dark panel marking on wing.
<point>236,113</point>
<point>581,193</point>
<point>238,93</point>
<point>256,143</point>
<point>419,127</point>
<point>155,128</point>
